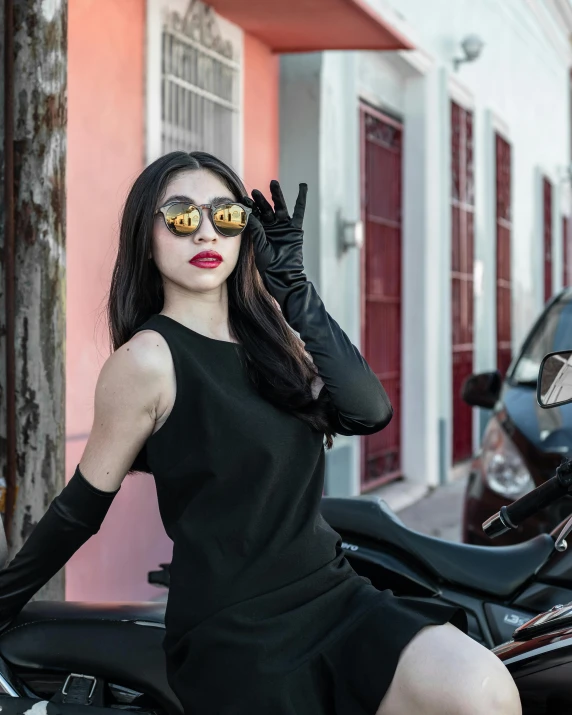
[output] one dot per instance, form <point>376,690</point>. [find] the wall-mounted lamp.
<point>472,47</point>
<point>351,234</point>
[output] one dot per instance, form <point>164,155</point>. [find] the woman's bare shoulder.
<point>126,404</point>
<point>146,350</point>
<point>135,369</point>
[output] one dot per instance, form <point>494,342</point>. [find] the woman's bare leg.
<point>444,672</point>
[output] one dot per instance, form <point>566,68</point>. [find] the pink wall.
<point>261,115</point>
<point>105,153</point>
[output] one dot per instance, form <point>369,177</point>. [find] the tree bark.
<point>40,115</point>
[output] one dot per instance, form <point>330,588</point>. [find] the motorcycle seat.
<point>494,570</point>
<point>121,642</point>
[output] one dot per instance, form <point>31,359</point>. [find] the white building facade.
<point>461,179</point>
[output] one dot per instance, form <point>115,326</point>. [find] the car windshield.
<point>553,334</point>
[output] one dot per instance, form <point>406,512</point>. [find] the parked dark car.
<point>522,444</point>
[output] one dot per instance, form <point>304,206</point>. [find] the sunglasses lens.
<point>182,219</point>
<point>230,219</point>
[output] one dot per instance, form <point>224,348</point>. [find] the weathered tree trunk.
<point>40,109</point>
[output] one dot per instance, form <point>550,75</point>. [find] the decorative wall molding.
<point>460,93</point>
<point>498,124</point>
<point>562,12</point>
<point>191,23</point>
<point>200,23</point>
<point>560,41</point>
<point>418,60</point>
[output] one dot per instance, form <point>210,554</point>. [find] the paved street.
<point>439,512</point>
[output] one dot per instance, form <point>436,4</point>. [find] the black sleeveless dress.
<point>265,613</point>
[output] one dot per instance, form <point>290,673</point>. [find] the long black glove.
<point>362,404</point>
<point>71,519</point>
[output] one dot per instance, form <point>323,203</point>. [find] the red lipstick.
<point>206,259</point>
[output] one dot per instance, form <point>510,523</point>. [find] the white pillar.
<point>319,144</point>
<point>425,319</point>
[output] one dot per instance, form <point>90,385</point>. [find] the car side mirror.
<point>482,389</point>
<point>555,380</point>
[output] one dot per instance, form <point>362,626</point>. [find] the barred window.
<point>547,231</point>
<point>462,273</point>
<point>200,82</point>
<point>504,260</point>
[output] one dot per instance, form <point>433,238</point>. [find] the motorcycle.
<point>500,588</point>
<point>539,655</point>
<point>77,658</point>
<point>65,657</point>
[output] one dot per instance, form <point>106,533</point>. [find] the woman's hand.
<point>361,404</point>
<point>277,240</point>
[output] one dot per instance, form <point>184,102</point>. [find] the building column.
<point>340,202</point>
<point>319,144</point>
<point>426,299</point>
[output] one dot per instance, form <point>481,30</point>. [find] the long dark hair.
<point>275,358</point>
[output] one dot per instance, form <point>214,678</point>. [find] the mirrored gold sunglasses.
<point>183,219</point>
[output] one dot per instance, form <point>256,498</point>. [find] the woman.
<point>210,388</point>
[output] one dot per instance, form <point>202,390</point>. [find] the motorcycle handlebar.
<point>511,516</point>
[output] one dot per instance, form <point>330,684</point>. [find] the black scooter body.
<point>121,644</point>
<point>382,548</point>
<point>540,661</point>
<point>499,587</point>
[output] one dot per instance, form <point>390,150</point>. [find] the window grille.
<point>547,230</point>
<point>462,273</point>
<point>382,159</point>
<point>567,251</point>
<point>504,231</point>
<point>200,85</point>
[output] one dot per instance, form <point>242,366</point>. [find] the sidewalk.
<point>439,512</point>
<point>435,511</point>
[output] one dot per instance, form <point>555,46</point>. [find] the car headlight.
<point>503,467</point>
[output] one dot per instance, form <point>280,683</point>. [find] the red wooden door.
<point>504,230</point>
<point>381,284</point>
<point>567,252</point>
<point>547,230</point>
<point>462,273</point>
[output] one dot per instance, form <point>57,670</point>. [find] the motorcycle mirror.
<point>554,385</point>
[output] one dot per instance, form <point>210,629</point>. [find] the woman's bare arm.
<point>127,399</point>
<point>127,404</point>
